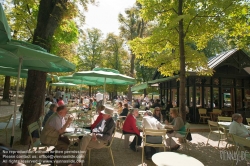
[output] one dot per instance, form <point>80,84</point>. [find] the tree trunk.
<point>145,92</point>
<point>132,68</point>
<point>6,94</point>
<point>182,65</point>
<point>49,17</point>
<point>89,90</point>
<point>33,101</point>
<point>50,88</point>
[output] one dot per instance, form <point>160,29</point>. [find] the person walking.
<point>99,98</point>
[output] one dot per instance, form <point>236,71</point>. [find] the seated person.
<point>177,125</point>
<point>149,122</point>
<point>136,104</point>
<point>52,110</point>
<point>125,110</point>
<point>66,100</point>
<point>101,134</point>
<point>237,128</point>
<point>157,114</point>
<point>119,109</point>
<point>47,105</point>
<point>157,103</point>
<point>94,104</point>
<point>90,104</point>
<point>99,118</point>
<point>60,101</point>
<point>54,127</point>
<point>129,127</point>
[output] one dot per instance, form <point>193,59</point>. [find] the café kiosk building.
<point>227,89</point>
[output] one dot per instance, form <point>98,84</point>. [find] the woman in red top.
<point>99,118</point>
<point>60,101</point>
<point>129,127</point>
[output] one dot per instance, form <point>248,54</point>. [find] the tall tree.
<point>49,18</point>
<point>177,24</point>
<point>131,26</point>
<point>114,53</point>
<point>90,51</point>
<point>22,16</point>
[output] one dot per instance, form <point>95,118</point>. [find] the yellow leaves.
<point>245,11</point>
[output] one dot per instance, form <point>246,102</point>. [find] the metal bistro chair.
<point>37,144</point>
<point>153,132</point>
<point>215,128</point>
<point>217,112</point>
<point>107,147</point>
<point>241,143</point>
<point>230,140</point>
<point>224,119</point>
<point>126,140</point>
<point>184,135</point>
<point>5,119</point>
<point>248,121</point>
<point>203,114</point>
<point>40,122</point>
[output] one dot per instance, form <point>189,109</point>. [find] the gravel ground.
<point>209,155</point>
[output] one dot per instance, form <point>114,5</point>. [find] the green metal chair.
<point>215,128</point>
<point>107,147</point>
<point>5,119</point>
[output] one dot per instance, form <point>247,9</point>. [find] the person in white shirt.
<point>58,94</point>
<point>149,122</point>
<point>66,100</point>
<point>99,98</point>
<point>63,94</point>
<point>86,100</point>
<point>237,128</point>
<point>146,99</point>
<point>47,105</point>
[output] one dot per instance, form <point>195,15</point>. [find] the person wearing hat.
<point>99,118</point>
<point>101,134</point>
<point>99,98</point>
<point>150,122</point>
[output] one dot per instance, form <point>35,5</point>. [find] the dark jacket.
<point>136,105</point>
<point>109,129</point>
<point>156,105</point>
<point>124,112</point>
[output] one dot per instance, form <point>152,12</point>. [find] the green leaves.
<point>203,21</point>
<point>90,49</point>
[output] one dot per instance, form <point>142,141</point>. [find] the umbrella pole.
<point>104,91</point>
<point>16,99</point>
<point>81,89</point>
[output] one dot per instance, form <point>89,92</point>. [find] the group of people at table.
<point>55,125</point>
<point>104,126</point>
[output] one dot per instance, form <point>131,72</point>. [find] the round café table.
<point>227,124</point>
<point>174,159</point>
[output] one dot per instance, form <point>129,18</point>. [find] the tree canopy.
<point>203,20</point>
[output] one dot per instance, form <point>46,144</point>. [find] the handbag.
<point>189,137</point>
<point>170,131</point>
<point>154,139</point>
